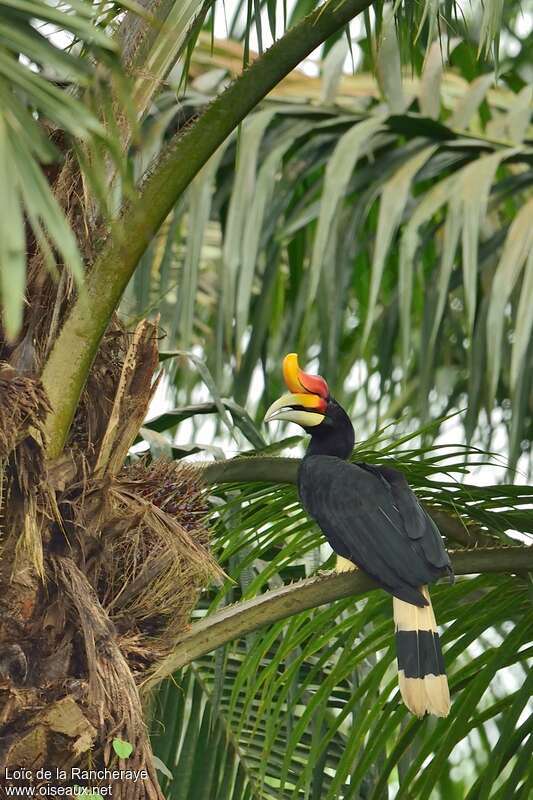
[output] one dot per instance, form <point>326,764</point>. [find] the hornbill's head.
<point>308,403</point>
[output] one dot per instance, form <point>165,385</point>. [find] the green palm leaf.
<point>32,68</point>
<point>359,247</point>
<point>311,704</point>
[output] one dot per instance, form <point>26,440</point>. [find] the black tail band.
<point>419,653</point>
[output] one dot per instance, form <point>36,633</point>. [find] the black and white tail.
<point>421,671</point>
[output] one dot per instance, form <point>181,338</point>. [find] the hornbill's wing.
<point>371,516</point>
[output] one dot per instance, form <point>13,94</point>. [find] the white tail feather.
<point>428,693</point>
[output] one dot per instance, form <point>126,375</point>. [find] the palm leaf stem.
<point>71,358</point>
<point>267,469</point>
<point>235,621</point>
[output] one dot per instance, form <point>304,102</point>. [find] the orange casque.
<point>299,381</point>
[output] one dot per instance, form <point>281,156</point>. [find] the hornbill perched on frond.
<point>372,520</point>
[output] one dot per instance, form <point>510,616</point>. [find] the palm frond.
<point>354,204</point>
<point>311,705</point>
<point>34,69</point>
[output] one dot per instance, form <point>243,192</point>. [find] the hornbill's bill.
<point>372,520</point>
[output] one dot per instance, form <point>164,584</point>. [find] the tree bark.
<point>101,567</point>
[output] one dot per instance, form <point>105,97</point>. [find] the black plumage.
<point>422,658</point>
<point>370,516</point>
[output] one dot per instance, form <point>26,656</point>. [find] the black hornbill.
<point>372,520</point>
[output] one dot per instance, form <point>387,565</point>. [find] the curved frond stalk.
<point>266,469</point>
<point>237,620</point>
<point>67,368</point>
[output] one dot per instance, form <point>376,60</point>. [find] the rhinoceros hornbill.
<point>372,520</point>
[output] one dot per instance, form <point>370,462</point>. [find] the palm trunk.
<point>101,566</point>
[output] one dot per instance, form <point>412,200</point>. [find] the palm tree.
<point>103,556</point>
<point>444,188</point>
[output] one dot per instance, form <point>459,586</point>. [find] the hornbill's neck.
<point>333,437</point>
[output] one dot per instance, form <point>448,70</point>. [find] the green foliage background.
<point>377,223</point>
